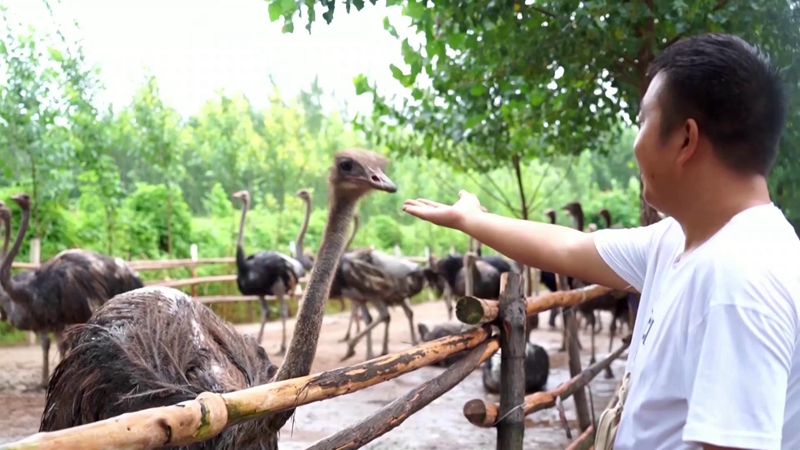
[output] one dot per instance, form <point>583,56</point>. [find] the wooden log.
<point>192,281</point>
<point>476,311</point>
<point>574,362</point>
<point>511,428</point>
<point>200,419</point>
<point>584,441</point>
<point>396,412</point>
<point>483,414</point>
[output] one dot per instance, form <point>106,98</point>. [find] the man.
<point>714,362</point>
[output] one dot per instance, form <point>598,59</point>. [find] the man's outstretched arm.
<point>553,248</point>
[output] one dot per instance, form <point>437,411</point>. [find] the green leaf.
<point>288,7</point>
<point>477,90</point>
<point>390,28</point>
<point>288,26</point>
<point>415,9</point>
<point>275,10</point>
<point>396,72</point>
<point>361,83</point>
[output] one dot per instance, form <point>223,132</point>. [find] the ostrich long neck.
<point>607,218</point>
<point>303,346</point>
<point>6,237</point>
<point>302,234</point>
<point>240,238</point>
<point>353,234</point>
<point>579,220</point>
<point>17,293</point>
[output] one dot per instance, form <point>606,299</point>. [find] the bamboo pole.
<point>395,413</point>
<point>511,429</point>
<point>473,311</point>
<point>207,415</point>
<point>483,414</point>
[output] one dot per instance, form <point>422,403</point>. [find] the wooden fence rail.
<point>208,414</point>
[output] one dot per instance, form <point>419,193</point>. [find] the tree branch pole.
<point>207,415</point>
<point>474,311</point>
<point>574,354</point>
<point>511,428</point>
<point>483,414</point>
<point>395,413</point>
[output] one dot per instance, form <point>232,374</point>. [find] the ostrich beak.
<point>379,180</point>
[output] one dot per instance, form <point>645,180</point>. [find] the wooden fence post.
<point>193,253</point>
<point>36,258</point>
<point>574,355</point>
<point>511,427</point>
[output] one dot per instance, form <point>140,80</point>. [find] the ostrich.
<point>339,285</point>
<point>267,272</point>
<point>537,370</point>
<point>618,315</point>
<point>382,280</point>
<point>615,301</point>
<point>65,290</point>
<point>156,346</point>
<point>485,272</point>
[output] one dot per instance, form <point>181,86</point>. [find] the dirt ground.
<point>439,426</point>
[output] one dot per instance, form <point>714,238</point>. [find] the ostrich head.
<point>573,209</point>
<point>23,200</point>
<point>357,172</point>
<point>304,195</point>
<point>550,213</point>
<point>242,195</point>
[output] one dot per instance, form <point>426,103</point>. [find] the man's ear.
<point>691,140</point>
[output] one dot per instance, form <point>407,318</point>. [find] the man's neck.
<point>716,204</point>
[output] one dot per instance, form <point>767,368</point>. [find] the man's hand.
<point>444,215</point>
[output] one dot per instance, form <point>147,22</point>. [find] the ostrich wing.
<point>368,279</point>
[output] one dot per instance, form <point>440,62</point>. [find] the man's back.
<point>728,309</point>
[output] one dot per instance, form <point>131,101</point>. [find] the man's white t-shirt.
<point>714,356</point>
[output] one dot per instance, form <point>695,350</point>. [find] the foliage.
<point>140,181</point>
<point>492,81</point>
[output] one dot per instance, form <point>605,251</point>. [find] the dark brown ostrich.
<point>65,290</point>
<point>157,346</point>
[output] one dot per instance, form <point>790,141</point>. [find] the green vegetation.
<point>142,182</point>
<point>497,81</point>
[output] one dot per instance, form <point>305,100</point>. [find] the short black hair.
<point>733,92</point>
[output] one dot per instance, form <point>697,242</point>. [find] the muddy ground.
<point>439,426</point>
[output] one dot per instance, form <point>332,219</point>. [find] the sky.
<point>195,47</point>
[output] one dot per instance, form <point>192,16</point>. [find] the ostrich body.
<point>439,331</point>
<point>264,273</point>
<point>157,346</point>
<point>65,290</point>
<point>382,280</point>
<point>537,370</point>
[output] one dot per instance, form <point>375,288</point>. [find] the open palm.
<point>444,215</point>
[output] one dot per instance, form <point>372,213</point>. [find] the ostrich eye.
<point>346,165</point>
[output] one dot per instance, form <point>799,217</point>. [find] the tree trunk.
<point>526,271</point>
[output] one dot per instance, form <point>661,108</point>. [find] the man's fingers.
<point>431,203</point>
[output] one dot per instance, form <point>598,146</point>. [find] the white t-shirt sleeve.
<point>626,250</point>
<point>738,363</point>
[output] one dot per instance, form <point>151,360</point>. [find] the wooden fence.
<point>210,413</point>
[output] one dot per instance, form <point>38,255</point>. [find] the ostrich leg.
<point>284,313</point>
<point>383,317</point>
<point>383,311</point>
<point>353,318</point>
<point>44,339</point>
<point>264,316</point>
<point>410,316</point>
<point>553,314</point>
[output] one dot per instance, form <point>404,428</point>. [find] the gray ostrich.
<point>157,346</point>
<point>65,290</point>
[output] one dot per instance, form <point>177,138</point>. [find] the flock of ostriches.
<point>125,347</point>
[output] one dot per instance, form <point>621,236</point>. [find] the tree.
<point>496,82</point>
<point>158,141</point>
